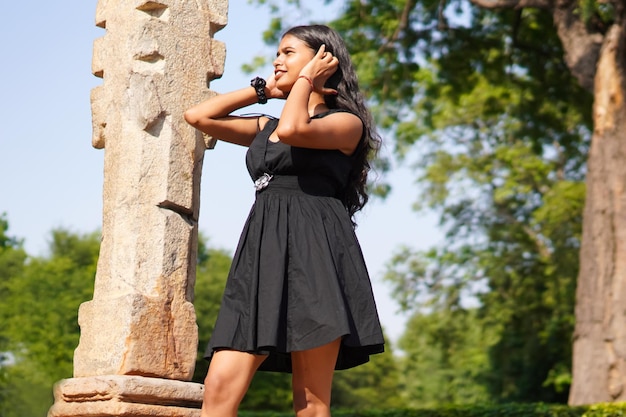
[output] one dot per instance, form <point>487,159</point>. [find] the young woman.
<point>298,297</point>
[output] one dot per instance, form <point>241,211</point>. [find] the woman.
<point>298,297</point>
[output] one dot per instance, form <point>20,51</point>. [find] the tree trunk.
<point>599,350</point>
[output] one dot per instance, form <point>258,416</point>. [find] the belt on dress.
<point>309,184</point>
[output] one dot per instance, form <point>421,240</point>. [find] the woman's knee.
<point>216,387</point>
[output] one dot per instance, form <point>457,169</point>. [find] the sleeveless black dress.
<point>298,279</point>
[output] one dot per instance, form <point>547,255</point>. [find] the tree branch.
<point>442,22</point>
<point>403,23</point>
<point>516,43</point>
<point>580,42</point>
<point>581,46</point>
<point>543,249</point>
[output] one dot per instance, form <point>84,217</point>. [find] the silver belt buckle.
<point>263,181</point>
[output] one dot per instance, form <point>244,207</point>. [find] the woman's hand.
<point>320,69</point>
<point>271,91</point>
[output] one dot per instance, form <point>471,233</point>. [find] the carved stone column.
<point>139,334</point>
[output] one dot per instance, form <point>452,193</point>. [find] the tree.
<point>593,36</point>
<point>502,157</point>
<point>39,313</point>
<point>12,261</point>
<point>411,50</point>
<point>445,358</point>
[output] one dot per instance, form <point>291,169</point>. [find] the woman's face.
<point>292,55</point>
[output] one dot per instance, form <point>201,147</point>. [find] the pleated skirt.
<point>298,281</point>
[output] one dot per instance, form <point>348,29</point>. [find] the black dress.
<point>298,279</point>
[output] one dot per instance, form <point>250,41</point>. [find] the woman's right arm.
<point>213,117</point>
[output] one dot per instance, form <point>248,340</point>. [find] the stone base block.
<point>121,395</point>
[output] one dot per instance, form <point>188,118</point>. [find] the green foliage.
<point>12,261</point>
<point>211,273</point>
<point>503,146</point>
<point>596,14</point>
<point>269,391</point>
<point>606,410</point>
<point>445,357</point>
<point>514,248</point>
<point>44,302</point>
<point>509,410</point>
<point>375,385</point>
<point>39,311</point>
<point>512,410</point>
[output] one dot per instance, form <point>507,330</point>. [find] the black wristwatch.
<point>259,85</point>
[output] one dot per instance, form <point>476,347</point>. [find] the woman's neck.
<point>317,104</point>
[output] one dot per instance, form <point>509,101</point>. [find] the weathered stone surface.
<point>138,335</point>
<point>126,396</point>
<point>155,59</point>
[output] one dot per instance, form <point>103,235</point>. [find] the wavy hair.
<point>349,98</point>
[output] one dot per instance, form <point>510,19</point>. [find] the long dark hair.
<point>349,98</point>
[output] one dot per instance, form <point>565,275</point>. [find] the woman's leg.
<point>312,379</point>
<point>227,381</point>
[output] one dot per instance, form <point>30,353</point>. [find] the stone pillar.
<point>138,342</point>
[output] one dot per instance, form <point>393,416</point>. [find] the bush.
<point>606,410</point>
<point>495,410</point>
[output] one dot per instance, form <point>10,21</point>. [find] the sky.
<point>51,177</point>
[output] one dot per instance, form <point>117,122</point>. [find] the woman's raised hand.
<point>320,69</point>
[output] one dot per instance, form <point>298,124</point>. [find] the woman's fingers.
<point>321,52</point>
<point>329,91</point>
<point>320,68</point>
